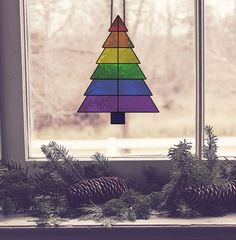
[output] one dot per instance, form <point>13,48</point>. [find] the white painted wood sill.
<point>26,221</point>
<point>155,228</point>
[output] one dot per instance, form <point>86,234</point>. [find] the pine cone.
<point>211,194</point>
<point>97,190</point>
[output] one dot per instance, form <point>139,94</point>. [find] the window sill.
<point>228,220</point>
<point>162,228</point>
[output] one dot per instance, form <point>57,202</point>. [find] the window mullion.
<point>200,74</point>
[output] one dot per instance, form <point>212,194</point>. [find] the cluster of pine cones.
<point>97,190</point>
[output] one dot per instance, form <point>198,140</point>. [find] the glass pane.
<point>66,39</point>
<point>220,72</point>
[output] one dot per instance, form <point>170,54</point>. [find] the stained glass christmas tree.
<point>118,84</point>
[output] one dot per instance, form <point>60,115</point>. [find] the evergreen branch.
<point>11,165</point>
<point>210,147</point>
<point>66,166</point>
<point>103,164</point>
<point>93,211</point>
<point>50,210</point>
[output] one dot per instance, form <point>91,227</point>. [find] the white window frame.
<point>12,88</point>
<point>13,92</point>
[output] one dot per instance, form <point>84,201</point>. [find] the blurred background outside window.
<point>220,71</point>
<point>65,40</point>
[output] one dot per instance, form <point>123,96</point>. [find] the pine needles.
<point>62,163</point>
<point>189,171</point>
<point>16,190</point>
<point>45,194</point>
<point>130,206</point>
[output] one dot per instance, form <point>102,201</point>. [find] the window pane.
<point>66,39</point>
<point>221,72</point>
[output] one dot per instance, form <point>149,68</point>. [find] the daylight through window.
<point>65,41</point>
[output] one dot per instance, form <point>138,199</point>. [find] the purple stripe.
<point>126,104</point>
<point>99,104</point>
<point>136,104</point>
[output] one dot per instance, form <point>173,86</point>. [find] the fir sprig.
<point>210,147</point>
<point>64,164</point>
<point>130,206</point>
<point>221,171</point>
<point>50,210</point>
<point>16,189</point>
<point>189,171</point>
<point>102,163</point>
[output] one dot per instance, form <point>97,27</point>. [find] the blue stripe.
<point>102,88</point>
<point>126,88</point>
<point>133,88</point>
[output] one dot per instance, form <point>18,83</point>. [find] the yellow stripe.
<point>126,55</point>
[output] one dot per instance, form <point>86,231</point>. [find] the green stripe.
<point>126,71</point>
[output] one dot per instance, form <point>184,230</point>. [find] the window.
<point>60,45</point>
<point>65,40</point>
